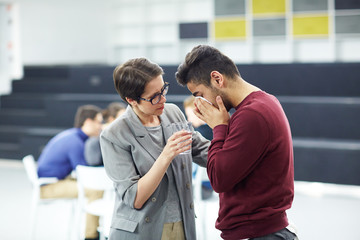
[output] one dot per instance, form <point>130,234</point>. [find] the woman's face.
<point>154,87</point>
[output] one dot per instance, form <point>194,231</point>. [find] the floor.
<point>320,211</point>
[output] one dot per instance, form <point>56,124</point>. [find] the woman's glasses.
<point>157,97</point>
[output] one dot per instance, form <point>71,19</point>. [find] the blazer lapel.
<point>141,134</point>
<point>165,123</point>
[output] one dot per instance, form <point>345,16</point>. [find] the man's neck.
<point>84,129</point>
<point>240,91</point>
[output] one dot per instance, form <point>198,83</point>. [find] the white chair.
<point>202,205</point>
<point>31,171</point>
<point>199,209</point>
<point>89,177</point>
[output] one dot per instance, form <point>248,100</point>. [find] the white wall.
<point>89,31</point>
<point>63,32</point>
<point>10,54</point>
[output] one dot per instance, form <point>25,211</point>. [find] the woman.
<point>142,156</point>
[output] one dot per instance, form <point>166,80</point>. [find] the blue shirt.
<point>62,154</point>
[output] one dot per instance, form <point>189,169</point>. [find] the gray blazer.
<point>128,154</point>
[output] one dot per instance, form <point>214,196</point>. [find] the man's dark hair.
<point>84,112</point>
<point>200,62</point>
<point>131,77</point>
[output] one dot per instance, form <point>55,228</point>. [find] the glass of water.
<point>178,126</point>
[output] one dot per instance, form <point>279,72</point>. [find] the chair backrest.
<point>31,169</point>
<point>93,178</point>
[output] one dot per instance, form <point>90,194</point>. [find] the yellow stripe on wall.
<point>310,25</point>
<point>230,28</point>
<point>269,6</point>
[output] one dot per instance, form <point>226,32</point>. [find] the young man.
<point>250,159</point>
<point>61,156</point>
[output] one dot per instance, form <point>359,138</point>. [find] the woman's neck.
<point>147,120</point>
<point>151,121</point>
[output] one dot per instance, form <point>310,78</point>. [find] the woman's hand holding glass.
<point>178,143</point>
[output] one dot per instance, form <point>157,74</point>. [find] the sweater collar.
<point>82,135</point>
<point>248,97</point>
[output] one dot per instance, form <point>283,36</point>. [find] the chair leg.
<point>204,214</point>
<point>79,222</point>
<point>73,226</point>
<point>34,211</point>
<point>101,234</point>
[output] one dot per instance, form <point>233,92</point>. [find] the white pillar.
<point>10,58</point>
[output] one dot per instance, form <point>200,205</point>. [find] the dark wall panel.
<point>193,30</point>
<point>347,4</point>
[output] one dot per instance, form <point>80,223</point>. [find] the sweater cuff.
<point>219,132</point>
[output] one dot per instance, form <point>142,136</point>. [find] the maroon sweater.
<point>250,165</point>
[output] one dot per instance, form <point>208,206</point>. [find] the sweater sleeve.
<point>236,148</point>
<point>92,152</point>
<point>76,154</point>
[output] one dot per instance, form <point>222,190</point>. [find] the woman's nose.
<point>163,97</point>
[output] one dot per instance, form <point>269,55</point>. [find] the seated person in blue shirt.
<point>200,126</point>
<point>63,153</point>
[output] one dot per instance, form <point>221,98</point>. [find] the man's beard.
<point>224,98</point>
<point>227,104</point>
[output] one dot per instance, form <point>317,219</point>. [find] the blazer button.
<point>188,185</point>
<point>153,199</point>
<point>183,166</point>
<point>192,205</point>
<point>147,219</point>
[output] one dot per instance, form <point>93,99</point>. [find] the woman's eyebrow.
<point>158,92</point>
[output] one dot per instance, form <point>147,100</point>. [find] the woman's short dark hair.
<point>131,77</point>
<point>200,62</point>
<point>84,112</point>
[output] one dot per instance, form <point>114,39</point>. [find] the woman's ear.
<point>131,101</point>
<point>217,79</point>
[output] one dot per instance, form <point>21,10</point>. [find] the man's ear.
<point>217,79</point>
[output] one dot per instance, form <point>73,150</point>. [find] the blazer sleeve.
<point>200,146</point>
<point>120,168</point>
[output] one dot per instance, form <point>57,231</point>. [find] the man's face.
<point>96,125</point>
<point>209,93</point>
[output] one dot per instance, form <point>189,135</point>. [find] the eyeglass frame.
<point>158,95</point>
